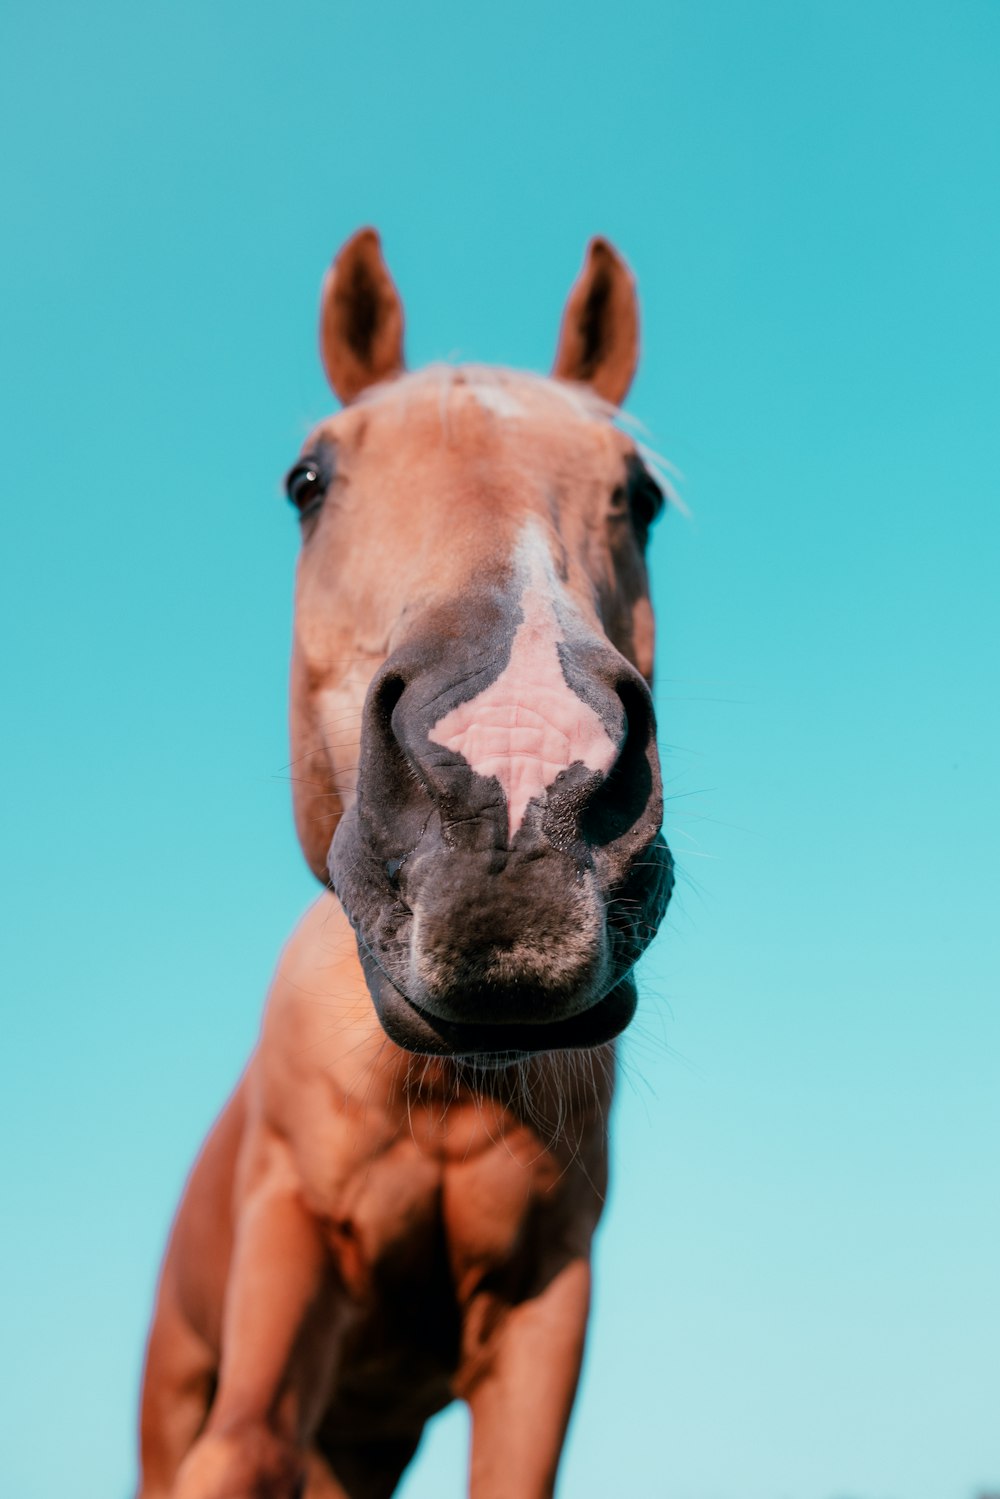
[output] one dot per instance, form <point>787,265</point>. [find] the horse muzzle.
<point>500,903</point>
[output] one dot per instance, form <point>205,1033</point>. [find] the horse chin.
<point>416,1030</point>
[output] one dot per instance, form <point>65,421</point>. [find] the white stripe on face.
<point>528,725</point>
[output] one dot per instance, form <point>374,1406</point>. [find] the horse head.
<point>475,762</point>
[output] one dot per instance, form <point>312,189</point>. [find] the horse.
<point>396,1206</point>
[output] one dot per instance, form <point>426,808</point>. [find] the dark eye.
<point>640,497</point>
<point>645,500</point>
<point>306,486</point>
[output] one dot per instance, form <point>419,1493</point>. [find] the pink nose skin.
<point>529,724</point>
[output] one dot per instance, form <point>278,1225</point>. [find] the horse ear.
<point>599,339</point>
<point>361,318</point>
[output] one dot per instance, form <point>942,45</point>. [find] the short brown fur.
<point>367,1233</point>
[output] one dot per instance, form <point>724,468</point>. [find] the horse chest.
<point>418,1217</point>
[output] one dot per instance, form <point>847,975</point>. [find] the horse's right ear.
<point>361,318</point>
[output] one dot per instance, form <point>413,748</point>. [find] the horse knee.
<point>248,1461</point>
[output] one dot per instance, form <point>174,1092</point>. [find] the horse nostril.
<point>383,729</point>
<point>394,808</point>
<point>385,695</point>
<point>622,798</point>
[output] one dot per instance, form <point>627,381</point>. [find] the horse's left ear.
<point>599,339</point>
<point>361,318</point>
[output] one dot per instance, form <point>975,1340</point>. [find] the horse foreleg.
<point>277,1347</point>
<point>521,1403</point>
<point>176,1393</point>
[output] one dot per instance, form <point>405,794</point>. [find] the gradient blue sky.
<point>798,1275</point>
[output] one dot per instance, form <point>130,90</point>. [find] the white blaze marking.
<point>528,725</point>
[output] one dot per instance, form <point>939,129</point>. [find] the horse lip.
<point>417,1030</point>
<point>451,1014</point>
<point>360,883</point>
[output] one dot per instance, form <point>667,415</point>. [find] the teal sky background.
<point>798,1273</point>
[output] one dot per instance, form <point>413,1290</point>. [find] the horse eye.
<point>646,500</point>
<point>305,486</point>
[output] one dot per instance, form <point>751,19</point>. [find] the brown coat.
<point>373,1228</point>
